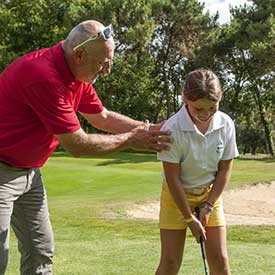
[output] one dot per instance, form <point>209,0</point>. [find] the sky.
<point>222,6</point>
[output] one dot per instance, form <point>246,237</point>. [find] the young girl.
<point>196,169</point>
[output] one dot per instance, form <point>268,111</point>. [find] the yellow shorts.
<point>172,218</point>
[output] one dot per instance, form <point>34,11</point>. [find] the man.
<point>40,94</point>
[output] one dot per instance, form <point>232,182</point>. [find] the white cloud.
<point>222,6</point>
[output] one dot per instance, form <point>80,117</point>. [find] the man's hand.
<point>156,127</point>
<point>152,140</point>
<point>81,144</point>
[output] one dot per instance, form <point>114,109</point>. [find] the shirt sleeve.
<point>52,106</point>
<point>174,153</point>
<point>90,102</point>
<point>230,150</point>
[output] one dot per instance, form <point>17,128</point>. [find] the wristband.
<point>191,219</point>
<point>207,206</point>
<point>147,125</point>
<point>207,202</point>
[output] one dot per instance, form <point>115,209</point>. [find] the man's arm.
<point>116,123</point>
<point>80,143</point>
<point>112,122</point>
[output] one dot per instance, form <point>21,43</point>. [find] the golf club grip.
<point>197,210</point>
<point>202,245</point>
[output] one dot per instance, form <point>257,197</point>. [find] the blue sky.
<point>222,6</point>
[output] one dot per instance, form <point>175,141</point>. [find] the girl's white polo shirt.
<point>199,154</point>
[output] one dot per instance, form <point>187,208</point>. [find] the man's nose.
<point>106,70</point>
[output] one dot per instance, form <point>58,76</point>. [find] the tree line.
<point>157,43</point>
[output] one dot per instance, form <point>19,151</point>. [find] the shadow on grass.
<point>116,158</point>
<point>60,154</point>
<point>139,157</point>
<point>265,159</point>
<point>124,157</point>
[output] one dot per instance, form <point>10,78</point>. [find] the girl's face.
<point>201,110</point>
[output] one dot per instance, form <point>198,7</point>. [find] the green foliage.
<point>242,51</point>
<point>130,90</point>
<point>181,28</point>
<point>29,25</point>
<point>157,43</point>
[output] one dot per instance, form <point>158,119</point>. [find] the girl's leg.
<point>172,246</point>
<point>216,250</point>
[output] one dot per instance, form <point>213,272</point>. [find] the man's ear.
<point>184,99</point>
<point>79,56</point>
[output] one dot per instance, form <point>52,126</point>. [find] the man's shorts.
<point>172,218</point>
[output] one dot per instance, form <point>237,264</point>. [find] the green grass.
<point>251,171</point>
<point>87,198</point>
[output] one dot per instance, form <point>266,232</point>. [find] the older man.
<point>41,94</point>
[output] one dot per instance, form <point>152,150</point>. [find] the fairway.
<point>93,235</point>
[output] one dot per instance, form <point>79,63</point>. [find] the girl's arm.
<point>172,175</point>
<point>221,179</point>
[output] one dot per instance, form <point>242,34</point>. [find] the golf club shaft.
<point>203,256</point>
<point>197,210</point>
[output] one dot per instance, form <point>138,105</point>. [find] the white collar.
<point>186,124</point>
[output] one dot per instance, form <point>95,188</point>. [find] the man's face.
<point>99,64</point>
<point>96,61</point>
<point>202,110</point>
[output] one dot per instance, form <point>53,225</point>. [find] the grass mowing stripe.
<point>91,169</point>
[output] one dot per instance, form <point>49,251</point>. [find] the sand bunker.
<point>254,205</point>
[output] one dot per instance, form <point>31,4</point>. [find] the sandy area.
<point>254,205</point>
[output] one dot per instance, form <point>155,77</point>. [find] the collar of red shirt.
<point>62,65</point>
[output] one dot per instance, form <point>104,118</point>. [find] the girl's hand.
<point>204,216</point>
<point>197,229</point>
<point>205,210</point>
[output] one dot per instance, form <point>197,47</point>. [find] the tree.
<point>154,41</point>
<point>181,28</point>
<point>242,50</point>
<point>29,25</point>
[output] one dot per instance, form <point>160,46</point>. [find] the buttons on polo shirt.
<point>204,154</point>
<point>219,147</point>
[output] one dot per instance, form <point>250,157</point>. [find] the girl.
<point>196,169</point>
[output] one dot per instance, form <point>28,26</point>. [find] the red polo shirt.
<point>39,97</point>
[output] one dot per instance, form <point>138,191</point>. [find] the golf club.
<point>197,210</point>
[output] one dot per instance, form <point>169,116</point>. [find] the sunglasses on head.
<point>106,33</point>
